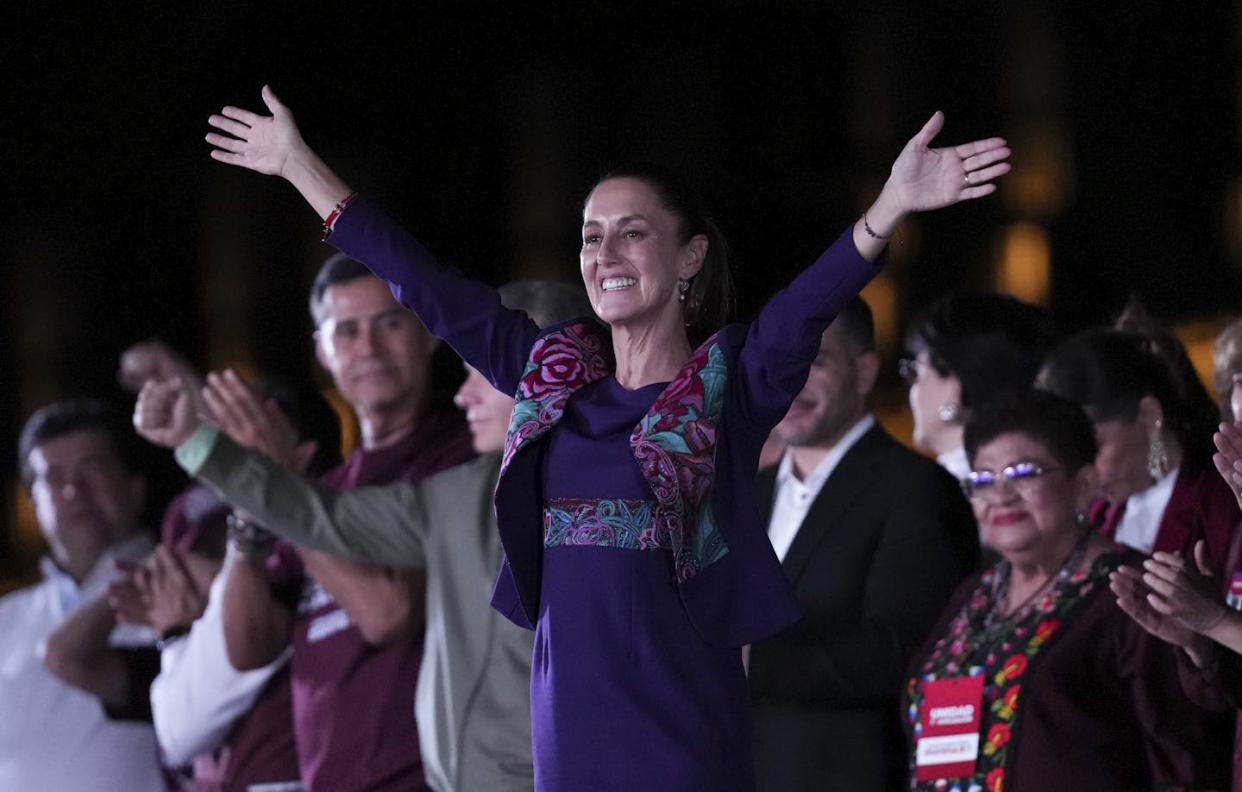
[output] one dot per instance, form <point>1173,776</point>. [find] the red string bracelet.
<point>330,221</point>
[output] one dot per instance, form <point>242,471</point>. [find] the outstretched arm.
<point>785,338</point>
<point>465,313</point>
<point>925,178</point>
<point>273,145</point>
<point>246,460</point>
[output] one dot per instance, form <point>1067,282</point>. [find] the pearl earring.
<point>949,412</point>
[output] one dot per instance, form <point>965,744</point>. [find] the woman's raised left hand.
<point>926,178</point>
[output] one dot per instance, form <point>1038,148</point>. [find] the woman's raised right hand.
<point>1228,456</point>
<point>260,143</point>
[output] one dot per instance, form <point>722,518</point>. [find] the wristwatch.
<point>249,537</point>
<point>170,637</point>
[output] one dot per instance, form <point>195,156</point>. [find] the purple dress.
<point>637,680</point>
<point>613,613</point>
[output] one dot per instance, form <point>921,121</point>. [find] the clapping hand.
<point>175,598</point>
<point>250,422</point>
<point>127,597</point>
<point>1186,592</point>
<point>1228,456</point>
<point>167,591</point>
<point>1172,601</point>
<point>1133,598</point>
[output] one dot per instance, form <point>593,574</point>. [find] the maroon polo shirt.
<point>353,716</point>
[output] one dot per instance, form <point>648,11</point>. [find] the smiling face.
<point>487,412</point>
<point>377,352</point>
<point>1025,521</point>
<point>835,394</point>
<point>632,254</point>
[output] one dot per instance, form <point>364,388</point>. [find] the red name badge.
<point>949,739</point>
<point>1234,597</point>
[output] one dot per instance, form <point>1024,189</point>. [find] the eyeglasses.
<point>1022,476</point>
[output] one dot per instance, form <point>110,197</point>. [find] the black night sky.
<point>481,125</point>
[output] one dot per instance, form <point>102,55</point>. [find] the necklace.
<point>1000,586</point>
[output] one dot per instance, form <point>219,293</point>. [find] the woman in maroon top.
<point>1034,679</point>
<point>1157,488</point>
<point>1178,600</point>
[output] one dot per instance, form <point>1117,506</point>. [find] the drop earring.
<point>683,286</point>
<point>1157,454</point>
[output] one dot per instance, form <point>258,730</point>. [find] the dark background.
<point>482,125</point>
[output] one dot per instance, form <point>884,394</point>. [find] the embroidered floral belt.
<point>627,524</point>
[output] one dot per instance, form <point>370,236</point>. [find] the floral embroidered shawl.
<point>674,443</point>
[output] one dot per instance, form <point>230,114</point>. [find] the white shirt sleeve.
<point>198,695</point>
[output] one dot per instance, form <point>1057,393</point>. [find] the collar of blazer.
<point>855,474</point>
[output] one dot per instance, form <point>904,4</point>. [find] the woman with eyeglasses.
<point>1158,490</point>
<point>965,350</point>
<point>1034,679</point>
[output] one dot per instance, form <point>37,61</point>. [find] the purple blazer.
<point>738,385</point>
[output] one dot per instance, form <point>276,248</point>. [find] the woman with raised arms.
<point>633,546</point>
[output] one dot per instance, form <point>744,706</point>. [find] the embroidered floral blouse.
<point>1075,695</point>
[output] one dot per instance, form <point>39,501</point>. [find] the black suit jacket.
<point>875,560</point>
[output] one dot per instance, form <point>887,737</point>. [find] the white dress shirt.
<point>956,463</point>
<point>198,696</point>
<point>793,497</point>
<point>54,736</point>
<point>1144,510</point>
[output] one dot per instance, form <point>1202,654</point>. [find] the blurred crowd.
<point>1050,596</point>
